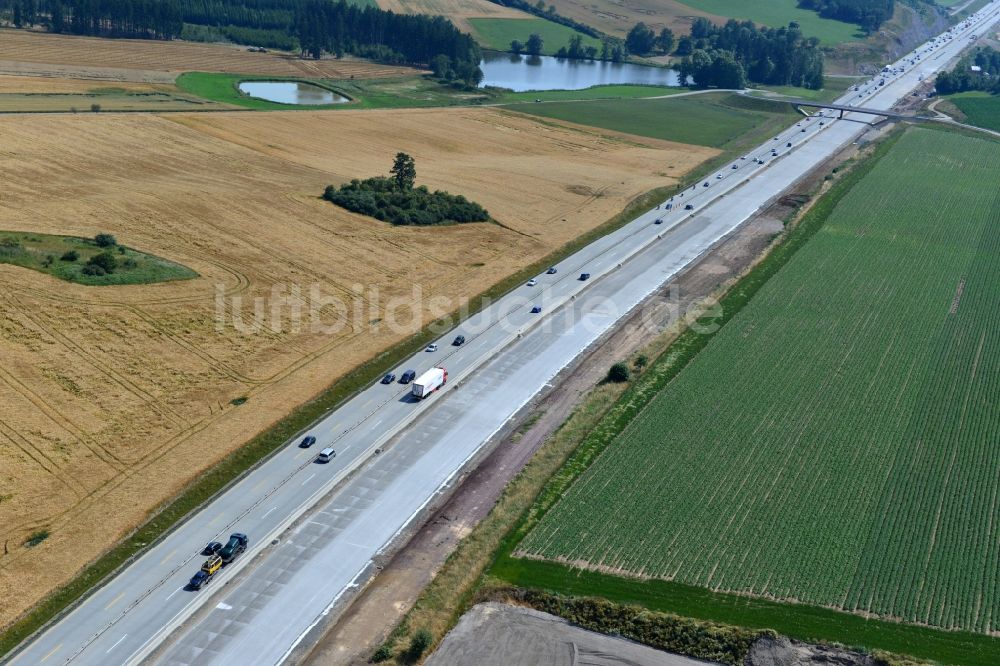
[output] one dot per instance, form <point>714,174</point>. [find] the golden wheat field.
<point>34,53</point>
<point>115,397</point>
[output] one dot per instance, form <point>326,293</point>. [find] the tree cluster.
<point>144,19</point>
<point>962,78</point>
<point>869,14</point>
<point>397,201</point>
<point>337,27</point>
<point>641,40</point>
<point>739,52</point>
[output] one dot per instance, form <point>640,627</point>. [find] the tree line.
<point>739,52</point>
<point>325,26</point>
<point>869,14</point>
<point>962,78</point>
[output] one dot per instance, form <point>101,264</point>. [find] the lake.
<point>521,73</point>
<point>291,92</point>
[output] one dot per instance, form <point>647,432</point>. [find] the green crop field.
<point>836,442</point>
<point>778,13</point>
<point>497,33</point>
<point>720,120</point>
<point>980,108</point>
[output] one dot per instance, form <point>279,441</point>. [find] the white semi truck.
<point>429,382</point>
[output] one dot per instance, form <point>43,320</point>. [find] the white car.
<point>431,348</point>
<point>532,282</point>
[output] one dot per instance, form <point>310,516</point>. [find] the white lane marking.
<point>309,479</point>
<point>116,644</point>
<point>174,592</point>
<point>169,555</point>
<point>223,606</point>
<point>268,512</point>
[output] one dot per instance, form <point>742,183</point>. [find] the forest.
<point>869,14</point>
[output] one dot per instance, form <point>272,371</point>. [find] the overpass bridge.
<point>842,108</point>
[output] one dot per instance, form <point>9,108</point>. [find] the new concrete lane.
<point>126,618</point>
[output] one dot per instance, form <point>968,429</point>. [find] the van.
<point>326,455</point>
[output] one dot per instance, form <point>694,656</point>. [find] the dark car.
<point>584,276</point>
<point>306,442</point>
<point>551,271</point>
<point>213,546</point>
<point>659,220</point>
<point>689,207</point>
<point>788,145</point>
<point>236,545</point>
<point>536,309</point>
<point>458,341</point>
<point>199,579</point>
<point>407,376</point>
<point>389,378</point>
<point>705,184</point>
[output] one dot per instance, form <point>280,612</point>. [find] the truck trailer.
<point>429,382</point>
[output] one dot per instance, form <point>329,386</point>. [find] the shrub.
<point>71,255</point>
<point>619,372</point>
<point>383,653</point>
<point>10,246</point>
<point>130,263</point>
<point>105,240</point>
<point>93,270</point>
<point>104,260</point>
<point>641,362</point>
<point>96,108</point>
<point>36,538</point>
<point>49,258</point>
<point>419,644</point>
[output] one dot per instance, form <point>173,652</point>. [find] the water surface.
<point>520,73</point>
<point>290,92</point>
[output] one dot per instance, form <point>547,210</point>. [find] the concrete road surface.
<point>509,355</point>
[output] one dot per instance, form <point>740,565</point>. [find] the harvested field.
<point>617,18</point>
<point>52,85</point>
<point>835,443</point>
<point>148,60</point>
<point>115,397</point>
<point>458,11</point>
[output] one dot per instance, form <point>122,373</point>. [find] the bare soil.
<point>617,17</point>
<point>114,398</point>
<point>154,61</point>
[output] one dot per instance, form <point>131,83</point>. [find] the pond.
<point>291,92</point>
<point>520,73</point>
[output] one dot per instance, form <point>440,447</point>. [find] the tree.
<point>105,240</point>
<point>665,40</point>
<point>640,39</point>
<point>685,46</point>
<point>441,67</point>
<point>534,44</point>
<point>404,171</point>
<point>516,47</point>
<point>619,373</point>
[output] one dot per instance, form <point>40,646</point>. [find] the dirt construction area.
<point>114,398</point>
<point>40,54</point>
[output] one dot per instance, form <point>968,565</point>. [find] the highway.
<point>509,356</point>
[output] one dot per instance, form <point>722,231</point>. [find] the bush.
<point>105,260</point>
<point>93,270</point>
<point>71,255</point>
<point>36,538</point>
<point>130,263</point>
<point>96,108</point>
<point>618,373</point>
<point>383,653</point>
<point>419,644</point>
<point>10,246</point>
<point>105,240</point>
<point>641,362</point>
